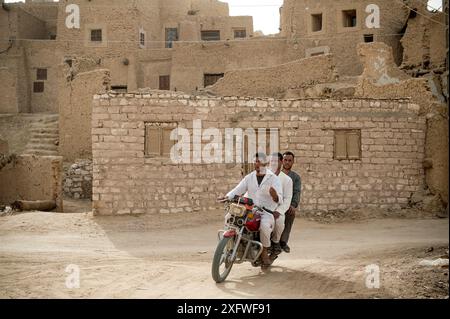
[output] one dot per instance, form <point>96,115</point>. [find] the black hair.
<point>261,156</point>
<point>289,154</point>
<point>280,156</point>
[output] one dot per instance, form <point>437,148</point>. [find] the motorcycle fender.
<point>229,234</point>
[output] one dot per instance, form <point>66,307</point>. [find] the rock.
<point>443,213</point>
<point>434,263</point>
<point>427,202</point>
<point>429,250</point>
<point>78,179</point>
<point>433,204</point>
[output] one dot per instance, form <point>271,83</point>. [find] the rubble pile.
<point>78,180</point>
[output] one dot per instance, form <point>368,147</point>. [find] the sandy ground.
<point>170,257</point>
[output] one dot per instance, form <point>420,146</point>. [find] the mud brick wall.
<point>75,112</point>
<point>32,178</point>
<point>127,182</point>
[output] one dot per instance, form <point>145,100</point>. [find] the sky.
<point>266,15</point>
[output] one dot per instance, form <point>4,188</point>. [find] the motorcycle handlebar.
<point>227,200</point>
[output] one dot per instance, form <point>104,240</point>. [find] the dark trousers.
<point>288,222</point>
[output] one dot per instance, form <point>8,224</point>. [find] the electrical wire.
<point>420,13</point>
<point>432,8</point>
<point>246,41</point>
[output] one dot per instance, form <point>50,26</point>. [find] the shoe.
<point>266,261</point>
<point>270,249</point>
<point>286,249</point>
<point>276,249</point>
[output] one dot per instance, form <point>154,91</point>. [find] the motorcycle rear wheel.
<point>223,252</point>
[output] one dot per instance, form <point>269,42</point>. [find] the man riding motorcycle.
<point>276,163</point>
<point>264,188</point>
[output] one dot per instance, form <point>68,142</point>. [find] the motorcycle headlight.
<point>237,210</point>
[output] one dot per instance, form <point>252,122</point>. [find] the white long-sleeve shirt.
<point>287,187</point>
<point>260,194</point>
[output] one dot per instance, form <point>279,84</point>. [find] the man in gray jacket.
<point>288,162</point>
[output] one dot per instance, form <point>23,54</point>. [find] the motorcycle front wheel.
<point>222,265</point>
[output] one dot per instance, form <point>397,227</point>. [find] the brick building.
<point>353,153</point>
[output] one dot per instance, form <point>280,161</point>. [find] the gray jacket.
<point>296,194</point>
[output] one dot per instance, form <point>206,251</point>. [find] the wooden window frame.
<point>142,39</point>
<point>38,87</point>
<point>120,88</point>
<point>370,37</point>
<point>206,37</point>
<point>94,37</point>
<point>160,127</point>
<point>162,80</point>
<point>313,19</point>
<point>347,133</point>
<point>242,31</point>
<point>345,18</point>
<point>169,42</point>
<point>41,74</point>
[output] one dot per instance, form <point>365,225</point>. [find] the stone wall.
<point>126,181</point>
<point>275,81</point>
<point>78,179</point>
<point>32,178</point>
<point>190,61</point>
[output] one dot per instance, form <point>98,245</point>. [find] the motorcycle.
<point>239,241</point>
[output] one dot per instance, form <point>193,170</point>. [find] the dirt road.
<point>170,257</point>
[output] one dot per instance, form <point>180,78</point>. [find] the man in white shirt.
<point>264,188</point>
<point>276,164</point>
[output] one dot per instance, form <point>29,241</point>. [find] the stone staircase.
<point>44,136</point>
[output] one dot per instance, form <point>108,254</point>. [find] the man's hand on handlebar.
<point>222,199</point>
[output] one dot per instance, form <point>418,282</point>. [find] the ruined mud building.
<point>325,56</point>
